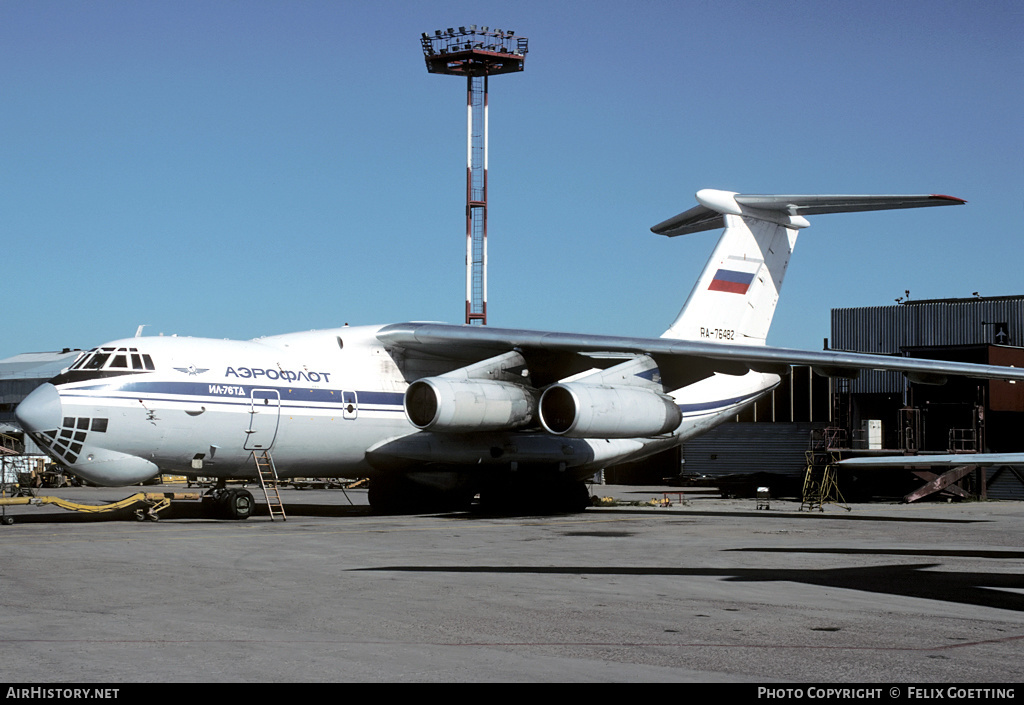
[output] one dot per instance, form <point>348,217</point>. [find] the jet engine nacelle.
<point>458,406</point>
<point>597,411</point>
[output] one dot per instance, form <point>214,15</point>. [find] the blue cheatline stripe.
<point>293,397</point>
<point>238,393</point>
<point>718,404</point>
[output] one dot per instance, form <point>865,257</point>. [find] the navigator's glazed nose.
<point>41,410</point>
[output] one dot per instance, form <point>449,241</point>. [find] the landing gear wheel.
<point>229,504</point>
<point>238,504</point>
<point>577,497</point>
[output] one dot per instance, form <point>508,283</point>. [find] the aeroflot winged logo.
<point>192,370</point>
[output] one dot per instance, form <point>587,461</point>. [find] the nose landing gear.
<point>223,503</point>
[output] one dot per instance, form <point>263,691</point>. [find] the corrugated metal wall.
<point>1005,483</point>
<point>887,329</point>
<point>740,448</point>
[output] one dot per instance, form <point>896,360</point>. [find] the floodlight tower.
<point>476,53</point>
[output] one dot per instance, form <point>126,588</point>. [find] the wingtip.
<point>953,200</point>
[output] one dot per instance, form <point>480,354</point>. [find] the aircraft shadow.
<point>182,510</point>
<point>769,516</point>
<point>922,581</point>
<point>682,516</point>
<point>934,552</point>
<point>319,510</point>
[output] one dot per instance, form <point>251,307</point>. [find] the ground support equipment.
<point>154,502</point>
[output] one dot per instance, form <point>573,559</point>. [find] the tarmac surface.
<point>706,590</point>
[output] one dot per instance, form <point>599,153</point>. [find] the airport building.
<point>19,375</point>
<point>885,413</point>
<point>960,415</point>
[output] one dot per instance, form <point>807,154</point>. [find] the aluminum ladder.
<point>268,481</point>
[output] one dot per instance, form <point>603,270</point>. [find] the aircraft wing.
<point>673,355</point>
<point>945,460</point>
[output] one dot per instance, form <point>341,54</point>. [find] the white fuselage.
<point>326,403</point>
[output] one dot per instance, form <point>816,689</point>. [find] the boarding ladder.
<point>268,481</point>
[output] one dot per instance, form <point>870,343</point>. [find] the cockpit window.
<point>114,359</point>
<point>81,360</point>
<point>96,361</point>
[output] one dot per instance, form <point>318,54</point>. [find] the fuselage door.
<point>350,401</point>
<point>264,416</point>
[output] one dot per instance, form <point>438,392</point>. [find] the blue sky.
<point>238,169</point>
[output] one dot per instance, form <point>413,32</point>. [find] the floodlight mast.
<point>477,54</point>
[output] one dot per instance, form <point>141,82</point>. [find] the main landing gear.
<point>530,493</point>
<point>539,496</point>
<point>400,495</point>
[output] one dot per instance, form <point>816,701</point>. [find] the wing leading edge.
<point>462,342</point>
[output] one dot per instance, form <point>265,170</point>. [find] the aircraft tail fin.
<point>735,297</point>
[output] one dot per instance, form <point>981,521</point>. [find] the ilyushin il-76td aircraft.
<point>436,414</point>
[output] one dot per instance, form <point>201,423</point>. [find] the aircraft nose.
<point>41,410</point>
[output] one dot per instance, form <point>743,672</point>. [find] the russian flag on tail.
<point>731,281</point>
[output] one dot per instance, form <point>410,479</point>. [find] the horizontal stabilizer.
<point>694,220</point>
<point>816,205</point>
<point>714,204</point>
